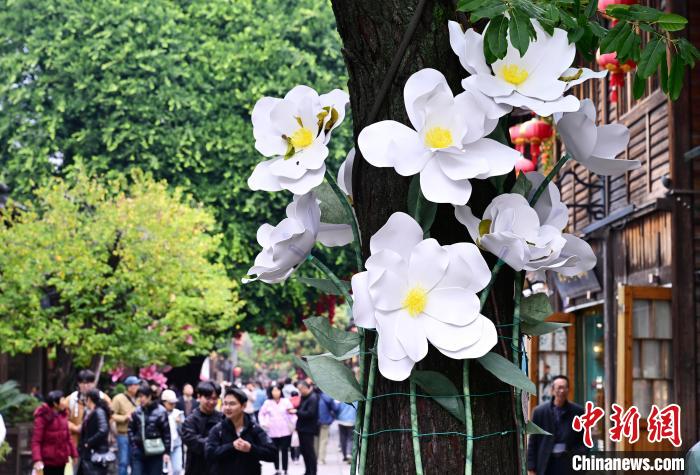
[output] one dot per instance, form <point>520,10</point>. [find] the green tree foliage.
<point>166,86</point>
<point>123,271</point>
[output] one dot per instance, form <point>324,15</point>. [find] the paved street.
<point>334,460</point>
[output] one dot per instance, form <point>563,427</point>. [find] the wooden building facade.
<point>634,319</point>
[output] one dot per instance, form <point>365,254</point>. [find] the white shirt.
<point>176,418</point>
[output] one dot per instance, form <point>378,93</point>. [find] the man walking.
<point>326,416</point>
<point>187,403</point>
<point>551,454</point>
<point>307,426</point>
<point>123,406</point>
<point>196,427</point>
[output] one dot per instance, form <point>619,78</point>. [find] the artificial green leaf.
<point>532,428</point>
<point>324,285</point>
<point>490,10</point>
<point>497,36</point>
<point>639,84</point>
<point>522,185</point>
<point>535,308</point>
<point>422,210</point>
<point>302,364</point>
<point>335,340</point>
<point>675,79</point>
<point>350,354</point>
<point>438,385</point>
<point>672,22</point>
<point>507,372</point>
<point>332,210</point>
<point>518,29</point>
<point>542,328</point>
<point>335,379</point>
<point>651,57</point>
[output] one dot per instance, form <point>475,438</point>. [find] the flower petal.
<point>464,215</point>
<point>578,133</point>
<point>500,158</point>
<point>453,305</point>
<point>418,91</point>
<point>439,188</point>
<point>263,234</point>
<point>389,291</point>
<point>609,166</point>
<point>386,327</point>
<point>612,139</point>
<point>400,234</point>
<point>263,179</point>
<point>549,207</point>
<point>362,309</point>
<point>542,108</point>
<point>409,331</point>
<point>467,268</point>
<point>581,249</point>
<point>380,142</point>
<point>345,173</point>
<point>338,100</point>
<point>334,234</point>
<point>453,337</point>
<point>469,48</point>
<point>427,264</point>
<point>586,74</point>
<point>395,370</point>
<point>507,247</point>
<point>268,139</point>
<point>461,165</point>
<point>310,180</point>
<point>487,340</point>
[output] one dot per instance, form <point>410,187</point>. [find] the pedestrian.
<point>288,388</point>
<point>552,454</point>
<point>77,401</point>
<point>260,398</point>
<point>249,390</point>
<point>149,434</point>
<point>52,445</point>
<point>93,449</point>
<point>326,416</point>
<point>237,445</point>
<point>277,419</point>
<point>176,417</point>
<point>123,405</point>
<point>196,427</point>
<point>307,425</point>
<point>187,403</point>
<point>346,423</point>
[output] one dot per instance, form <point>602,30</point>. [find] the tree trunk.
<point>371,32</point>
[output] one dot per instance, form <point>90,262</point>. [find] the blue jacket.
<point>326,409</point>
<point>345,413</point>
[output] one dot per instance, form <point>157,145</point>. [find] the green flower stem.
<point>360,404</point>
<point>357,244</point>
<point>519,277</point>
<point>487,290</point>
<point>548,179</point>
<point>368,410</point>
<point>331,276</point>
<point>468,418</point>
<point>415,431</point>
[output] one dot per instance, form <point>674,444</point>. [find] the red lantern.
<point>524,165</point>
<point>617,71</point>
<point>604,4</point>
<point>516,136</point>
<point>535,131</point>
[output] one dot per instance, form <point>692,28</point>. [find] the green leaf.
<point>576,34</point>
<point>522,185</point>
<point>532,428</point>
<point>302,364</point>
<point>672,22</point>
<point>664,74</point>
<point>591,8</point>
<point>615,36</point>
<point>497,36</point>
<point>597,29</point>
<point>422,210</point>
<point>639,84</point>
<point>335,340</point>
<point>469,5</point>
<point>628,45</point>
<point>687,51</point>
<point>537,329</point>
<point>437,384</point>
<point>535,308</point>
<point>490,10</point>
<point>675,79</point>
<point>335,379</point>
<point>324,285</point>
<point>519,30</point>
<point>507,372</point>
<point>651,57</point>
<point>332,210</point>
<point>633,12</point>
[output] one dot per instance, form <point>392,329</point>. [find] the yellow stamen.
<point>415,301</point>
<point>438,137</point>
<point>514,74</point>
<point>484,227</point>
<point>301,138</point>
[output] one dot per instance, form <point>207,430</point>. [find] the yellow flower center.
<point>514,74</point>
<point>301,138</point>
<point>438,137</point>
<point>415,301</point>
<point>484,227</point>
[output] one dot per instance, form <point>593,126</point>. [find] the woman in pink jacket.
<point>277,418</point>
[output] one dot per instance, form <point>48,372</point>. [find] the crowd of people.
<point>209,430</point>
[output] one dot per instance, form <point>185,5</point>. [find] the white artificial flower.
<point>446,144</point>
<point>295,131</point>
<point>416,291</point>
<point>288,244</point>
<point>594,147</point>
<point>535,81</point>
<point>528,238</point>
<point>345,173</point>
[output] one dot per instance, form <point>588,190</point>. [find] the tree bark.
<point>371,32</point>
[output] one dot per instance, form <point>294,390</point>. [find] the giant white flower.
<point>295,131</point>
<point>288,244</point>
<point>345,173</point>
<point>446,144</point>
<point>536,81</point>
<point>415,291</point>
<point>528,238</point>
<point>594,147</point>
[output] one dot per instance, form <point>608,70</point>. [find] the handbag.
<point>150,446</point>
<point>103,459</point>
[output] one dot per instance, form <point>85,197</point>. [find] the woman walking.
<point>237,444</point>
<point>52,445</point>
<point>95,456</point>
<point>277,420</point>
<point>149,434</point>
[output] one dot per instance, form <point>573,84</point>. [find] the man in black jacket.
<point>196,427</point>
<point>307,426</point>
<point>149,421</point>
<point>551,454</point>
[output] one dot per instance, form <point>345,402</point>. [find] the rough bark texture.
<point>371,32</point>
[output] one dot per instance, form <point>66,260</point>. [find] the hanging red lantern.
<point>617,71</point>
<point>604,4</point>
<point>516,136</point>
<point>535,131</point>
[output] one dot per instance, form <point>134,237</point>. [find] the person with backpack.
<point>149,435</point>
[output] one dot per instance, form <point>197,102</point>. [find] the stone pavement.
<point>334,460</point>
